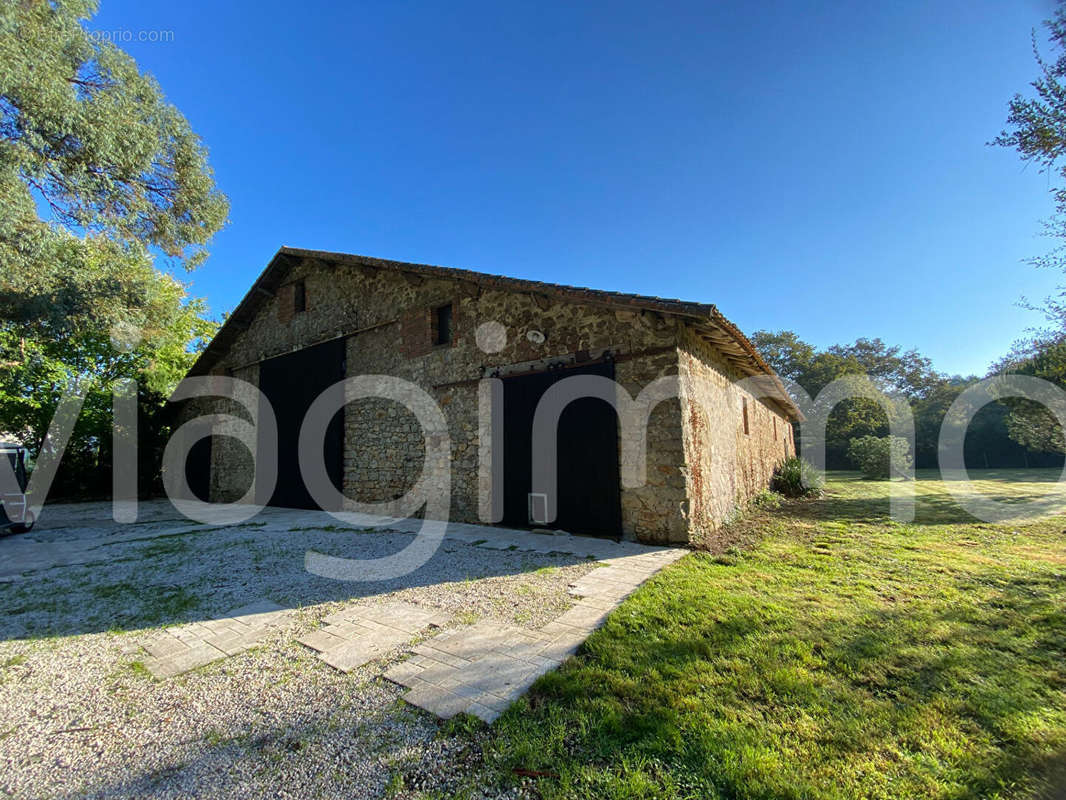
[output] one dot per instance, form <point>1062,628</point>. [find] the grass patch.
<point>395,785</point>
<point>140,670</point>
<point>335,529</point>
<point>146,605</point>
<point>840,655</point>
<point>166,546</point>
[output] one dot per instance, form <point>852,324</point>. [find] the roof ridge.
<point>490,277</point>
<point>736,347</point>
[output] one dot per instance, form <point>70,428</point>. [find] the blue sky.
<point>820,167</point>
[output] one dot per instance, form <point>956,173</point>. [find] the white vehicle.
<point>15,515</point>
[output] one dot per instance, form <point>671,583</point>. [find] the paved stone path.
<point>364,632</point>
<point>483,668</point>
<point>479,669</point>
<point>185,647</point>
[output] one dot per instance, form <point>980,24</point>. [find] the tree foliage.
<point>910,383</point>
<point>1036,129</point>
<point>904,376</point>
<point>99,178</point>
<point>86,133</point>
<point>1036,125</point>
<point>874,456</point>
<point>1029,423</point>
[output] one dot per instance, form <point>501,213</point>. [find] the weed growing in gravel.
<point>465,726</point>
<point>524,617</point>
<point>140,670</point>
<point>333,529</point>
<point>395,785</point>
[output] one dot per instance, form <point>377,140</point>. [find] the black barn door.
<point>198,469</point>
<point>291,383</point>
<point>588,480</point>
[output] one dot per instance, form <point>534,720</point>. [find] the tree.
<point>1029,423</point>
<point>99,177</point>
<point>151,332</point>
<point>874,455</point>
<point>789,355</point>
<point>908,379</point>
<point>90,136</point>
<point>904,377</point>
<point>1036,128</point>
<point>1036,125</point>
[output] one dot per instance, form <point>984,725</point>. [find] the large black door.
<point>588,481</point>
<point>291,383</point>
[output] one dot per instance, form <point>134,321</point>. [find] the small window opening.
<point>775,427</point>
<point>745,408</point>
<point>299,297</point>
<point>442,325</point>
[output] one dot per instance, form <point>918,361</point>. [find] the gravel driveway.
<point>81,717</point>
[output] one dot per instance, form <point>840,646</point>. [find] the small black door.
<point>198,469</point>
<point>291,383</point>
<point>588,480</point>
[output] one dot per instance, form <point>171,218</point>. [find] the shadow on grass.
<point>850,498</point>
<point>929,509</point>
<point>743,695</point>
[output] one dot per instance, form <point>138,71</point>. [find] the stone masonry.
<point>700,463</point>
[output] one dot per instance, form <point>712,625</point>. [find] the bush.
<point>873,455</point>
<point>766,500</point>
<point>795,477</point>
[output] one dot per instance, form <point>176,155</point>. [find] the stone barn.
<point>313,318</point>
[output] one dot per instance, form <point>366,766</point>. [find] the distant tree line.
<point>995,439</point>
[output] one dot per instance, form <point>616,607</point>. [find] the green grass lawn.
<point>838,655</point>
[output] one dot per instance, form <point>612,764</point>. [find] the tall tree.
<point>84,131</point>
<point>99,177</point>
<point>1036,125</point>
<point>1036,128</point>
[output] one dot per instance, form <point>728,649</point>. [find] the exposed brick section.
<point>285,304</point>
<point>416,332</point>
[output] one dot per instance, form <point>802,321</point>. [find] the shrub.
<point>873,455</point>
<point>766,500</point>
<point>795,477</point>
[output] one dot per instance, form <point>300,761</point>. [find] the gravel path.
<point>80,717</point>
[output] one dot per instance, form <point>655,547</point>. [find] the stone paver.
<point>479,669</point>
<point>363,632</point>
<point>483,668</point>
<point>184,647</point>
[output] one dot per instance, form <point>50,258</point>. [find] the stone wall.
<point>388,320</point>
<point>232,463</point>
<point>726,465</point>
